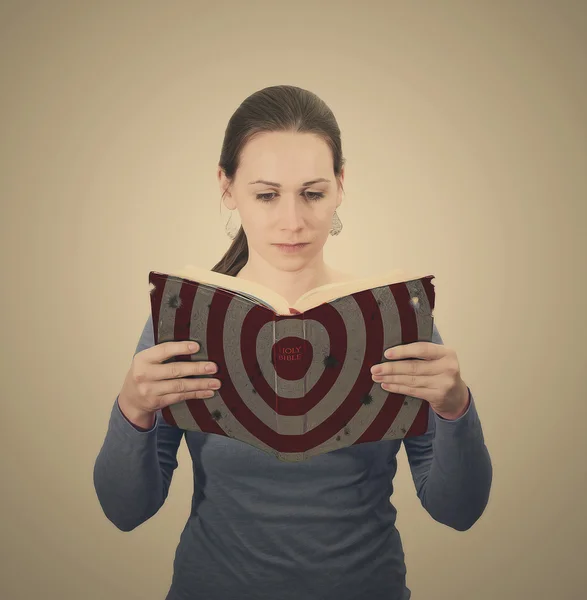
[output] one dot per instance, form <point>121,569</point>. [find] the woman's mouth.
<point>291,248</point>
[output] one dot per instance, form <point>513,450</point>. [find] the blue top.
<point>319,529</point>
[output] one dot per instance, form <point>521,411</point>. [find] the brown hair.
<point>275,108</point>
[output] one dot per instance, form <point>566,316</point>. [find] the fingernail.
<point>210,368</point>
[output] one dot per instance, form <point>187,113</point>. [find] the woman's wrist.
<point>139,418</point>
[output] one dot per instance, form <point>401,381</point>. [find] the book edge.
<point>332,291</point>
<point>264,296</point>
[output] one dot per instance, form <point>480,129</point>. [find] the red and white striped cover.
<point>300,385</point>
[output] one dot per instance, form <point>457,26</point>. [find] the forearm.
<point>457,487</point>
<point>127,474</point>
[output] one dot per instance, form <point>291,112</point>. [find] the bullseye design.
<point>304,382</point>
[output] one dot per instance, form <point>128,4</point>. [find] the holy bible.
<point>296,380</point>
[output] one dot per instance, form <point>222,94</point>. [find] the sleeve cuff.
<point>463,416</point>
<point>465,425</point>
<point>124,423</point>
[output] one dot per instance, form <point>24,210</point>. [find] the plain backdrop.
<point>464,130</point>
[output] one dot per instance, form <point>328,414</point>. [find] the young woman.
<point>261,528</point>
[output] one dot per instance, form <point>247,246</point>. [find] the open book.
<point>296,381</point>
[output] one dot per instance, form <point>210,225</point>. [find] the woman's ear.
<point>224,185</point>
<point>339,191</point>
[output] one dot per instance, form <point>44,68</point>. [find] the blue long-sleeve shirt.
<point>319,529</point>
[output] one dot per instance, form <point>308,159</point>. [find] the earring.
<point>336,227</point>
<point>231,230</point>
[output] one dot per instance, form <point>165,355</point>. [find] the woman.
<point>261,528</point>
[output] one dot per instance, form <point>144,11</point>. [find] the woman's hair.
<point>275,108</point>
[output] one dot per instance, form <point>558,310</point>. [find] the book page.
<point>332,291</point>
<point>249,289</point>
<point>264,296</point>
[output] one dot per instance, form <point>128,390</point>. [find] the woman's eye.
<point>263,197</point>
<point>310,195</point>
<point>316,195</point>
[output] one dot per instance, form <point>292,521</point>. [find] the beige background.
<point>464,129</point>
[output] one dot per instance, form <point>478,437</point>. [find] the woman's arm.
<point>451,466</point>
<point>134,468</point>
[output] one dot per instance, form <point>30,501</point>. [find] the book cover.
<point>294,385</point>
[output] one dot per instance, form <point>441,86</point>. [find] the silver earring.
<point>231,230</point>
<point>336,227</point>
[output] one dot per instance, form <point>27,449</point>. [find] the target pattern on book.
<point>297,385</point>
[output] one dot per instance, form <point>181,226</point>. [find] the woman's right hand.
<point>150,385</point>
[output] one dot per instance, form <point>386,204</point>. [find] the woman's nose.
<point>291,214</point>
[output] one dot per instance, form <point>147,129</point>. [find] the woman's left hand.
<point>435,378</point>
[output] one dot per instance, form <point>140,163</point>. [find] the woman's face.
<point>276,202</point>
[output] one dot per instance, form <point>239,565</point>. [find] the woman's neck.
<point>293,284</point>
